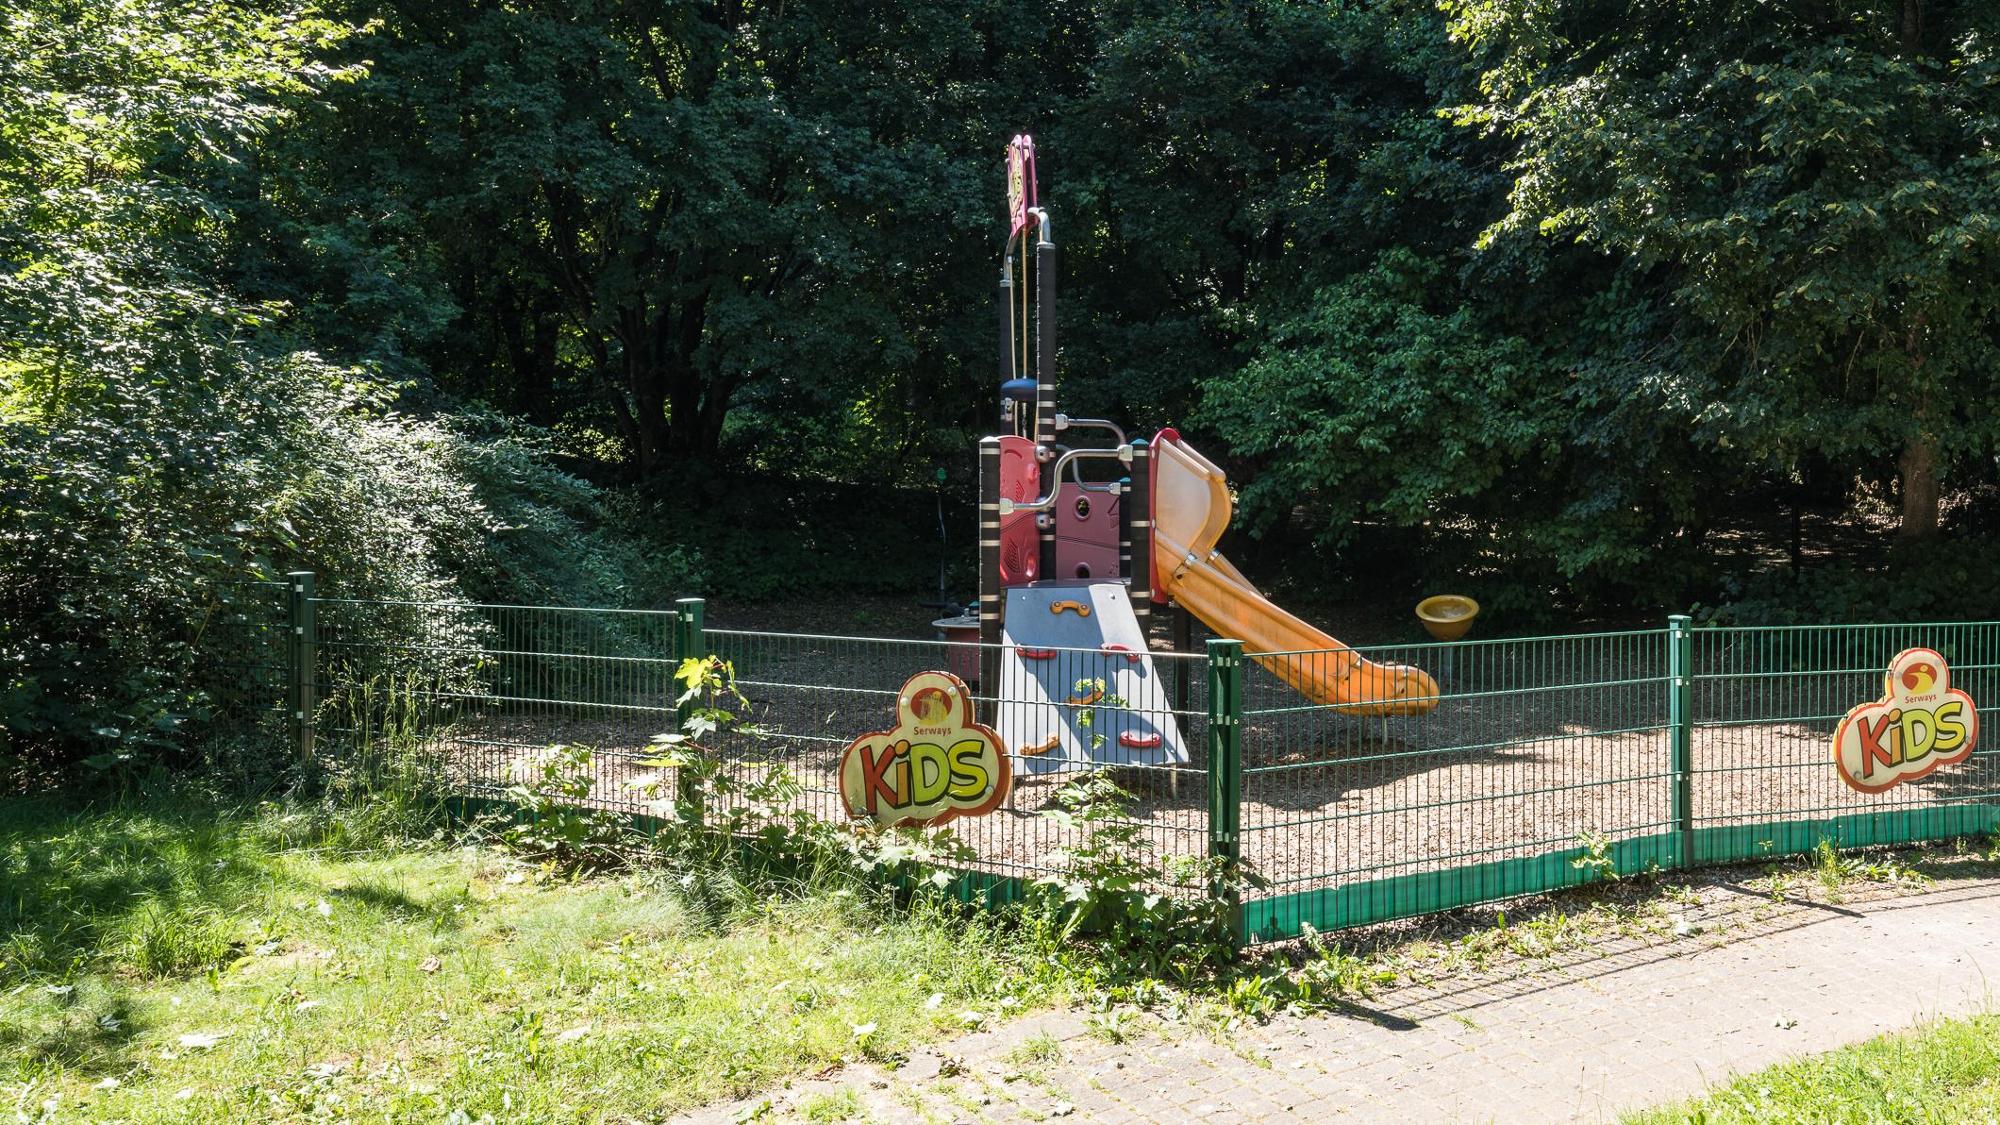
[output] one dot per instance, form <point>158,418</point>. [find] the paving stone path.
<point>1632,1024</point>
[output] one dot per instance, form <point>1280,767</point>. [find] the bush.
<point>165,445</point>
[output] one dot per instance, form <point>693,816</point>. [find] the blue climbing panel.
<point>1078,686</point>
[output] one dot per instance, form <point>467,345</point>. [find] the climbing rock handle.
<point>1042,747</point>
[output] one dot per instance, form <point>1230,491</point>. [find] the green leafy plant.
<point>554,823</point>
<point>1596,861</point>
<point>1094,690</point>
<point>1148,914</point>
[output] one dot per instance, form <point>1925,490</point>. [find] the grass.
<point>195,963</point>
<point>1947,1071</point>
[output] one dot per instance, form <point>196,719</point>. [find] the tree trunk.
<point>1919,471</point>
<point>649,414</point>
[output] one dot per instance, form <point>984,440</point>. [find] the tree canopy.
<point>1555,301</point>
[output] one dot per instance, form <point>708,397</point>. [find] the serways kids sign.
<point>1920,723</point>
<point>937,763</point>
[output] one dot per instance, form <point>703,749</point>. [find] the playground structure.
<point>1072,563</point>
<point>1348,782</point>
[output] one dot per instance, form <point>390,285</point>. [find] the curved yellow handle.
<point>1052,742</point>
<point>1078,608</point>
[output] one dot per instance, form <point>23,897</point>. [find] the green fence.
<point>1639,749</point>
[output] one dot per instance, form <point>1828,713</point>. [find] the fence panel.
<point>1766,702</point>
<point>1545,761</point>
<point>490,689</point>
<point>1535,747</point>
<point>240,651</point>
<point>812,695</point>
<point>493,687</point>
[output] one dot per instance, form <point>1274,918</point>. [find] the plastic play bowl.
<point>1447,616</point>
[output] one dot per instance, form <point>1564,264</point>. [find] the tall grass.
<point>1944,1071</point>
<point>263,960</point>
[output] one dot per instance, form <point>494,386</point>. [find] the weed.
<point>1256,996</point>
<point>1146,915</point>
<point>841,1105</point>
<point>1039,1048</point>
<point>1596,860</point>
<point>1113,1026</point>
<point>1333,974</point>
<point>164,940</point>
<point>1683,894</point>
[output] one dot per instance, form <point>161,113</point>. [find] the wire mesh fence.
<point>1527,764</point>
<point>241,657</point>
<point>1532,748</point>
<point>491,687</point>
<point>1766,703</point>
<point>809,696</point>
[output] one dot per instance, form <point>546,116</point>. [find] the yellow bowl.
<point>1447,616</point>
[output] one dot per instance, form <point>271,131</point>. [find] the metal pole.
<point>1183,641</point>
<point>1680,725</point>
<point>304,661</point>
<point>1007,370</point>
<point>1225,775</point>
<point>690,642</point>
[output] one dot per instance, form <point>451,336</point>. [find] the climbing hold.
<point>1037,653</point>
<point>1088,698</point>
<point>1113,646</point>
<point>1076,607</point>
<point>1043,747</point>
<point>1148,740</point>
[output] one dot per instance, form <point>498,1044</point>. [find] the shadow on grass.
<point>75,881</point>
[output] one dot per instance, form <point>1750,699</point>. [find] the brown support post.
<point>1183,641</point>
<point>990,593</point>
<point>1045,338</point>
<point>1137,557</point>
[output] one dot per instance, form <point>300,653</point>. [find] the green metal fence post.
<point>1680,727</point>
<point>689,641</point>
<point>302,658</point>
<point>1225,776</point>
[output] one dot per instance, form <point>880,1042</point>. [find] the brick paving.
<point>1632,1024</point>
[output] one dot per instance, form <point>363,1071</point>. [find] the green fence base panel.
<point>1855,830</point>
<point>1404,896</point>
<point>980,888</point>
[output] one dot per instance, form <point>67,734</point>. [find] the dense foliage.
<point>164,442</point>
<point>1578,306</point>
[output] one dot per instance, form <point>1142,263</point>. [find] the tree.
<point>166,445</point>
<point>1811,188</point>
<point>659,215</point>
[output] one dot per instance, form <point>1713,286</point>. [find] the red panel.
<point>1089,516</point>
<point>1078,559</point>
<point>1087,534</point>
<point>1021,482</point>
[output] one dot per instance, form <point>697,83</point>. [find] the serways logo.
<point>934,765</point>
<point>1920,723</point>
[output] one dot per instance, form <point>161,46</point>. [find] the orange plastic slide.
<point>1191,510</point>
